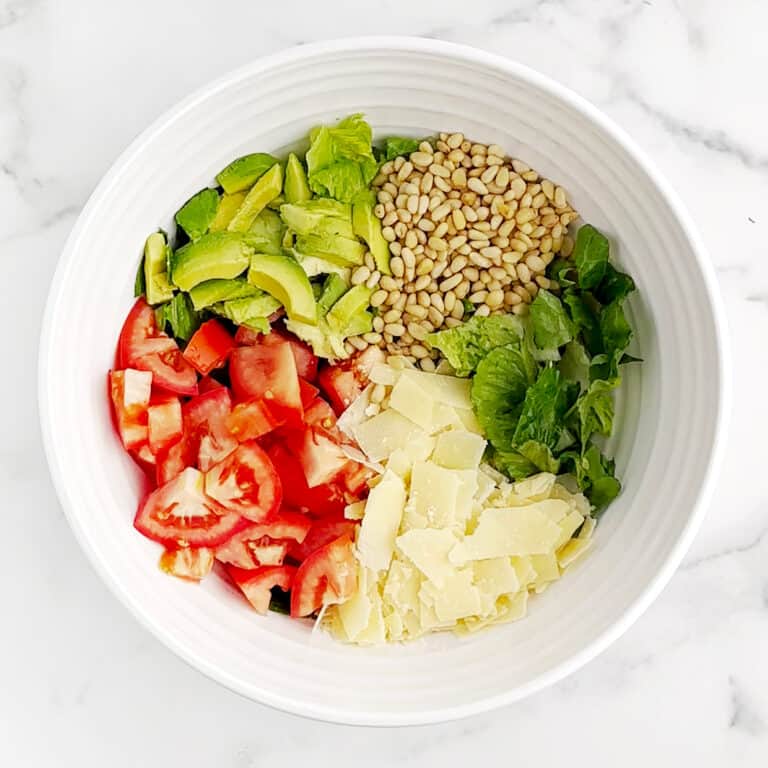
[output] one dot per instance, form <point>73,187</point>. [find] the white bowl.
<point>671,412</point>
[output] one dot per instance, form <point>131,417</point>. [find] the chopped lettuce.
<point>178,317</point>
<point>595,475</point>
<point>551,324</point>
<point>340,160</point>
<point>265,235</point>
<point>590,255</point>
<point>395,146</point>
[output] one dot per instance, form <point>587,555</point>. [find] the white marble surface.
<point>82,684</point>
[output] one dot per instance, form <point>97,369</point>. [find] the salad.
<point>371,384</point>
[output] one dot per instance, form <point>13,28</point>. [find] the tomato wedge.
<point>205,427</point>
<point>164,424</point>
<point>192,563</point>
<point>209,347</point>
<point>179,514</point>
<point>268,373</point>
<point>306,361</point>
<point>173,459</point>
<point>320,414</point>
<point>246,482</point>
<point>247,337</point>
<point>257,584</point>
<point>327,576</point>
<point>340,386</point>
<point>252,419</point>
<point>321,533</point>
<point>308,393</point>
<point>130,391</point>
<point>207,383</point>
<point>265,543</point>
<point>319,454</point>
<point>143,346</point>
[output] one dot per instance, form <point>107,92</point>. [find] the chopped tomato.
<point>268,373</point>
<point>205,427</point>
<point>252,419</point>
<point>307,393</point>
<point>143,346</point>
<point>164,424</point>
<point>328,575</point>
<point>320,501</point>
<point>340,386</point>
<point>321,457</point>
<point>144,458</point>
<point>257,584</point>
<point>209,347</point>
<point>130,391</point>
<point>265,543</point>
<point>306,361</point>
<point>247,337</point>
<point>207,383</point>
<point>246,482</point>
<point>355,477</point>
<point>362,363</point>
<point>321,533</point>
<point>173,459</point>
<point>192,563</point>
<point>320,414</point>
<point>179,514</point>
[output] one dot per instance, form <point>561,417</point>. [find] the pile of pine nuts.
<point>469,232</point>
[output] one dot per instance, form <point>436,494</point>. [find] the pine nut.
<point>394,329</point>
<point>360,275</point>
<point>373,280</point>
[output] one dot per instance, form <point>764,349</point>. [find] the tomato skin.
<point>246,482</point>
<point>308,394</point>
<point>205,427</point>
<point>164,424</point>
<point>305,359</point>
<point>207,383</point>
<point>179,514</point>
<point>268,372</point>
<point>209,347</point>
<point>328,575</point>
<point>247,337</point>
<point>320,455</point>
<point>320,414</point>
<point>130,391</point>
<point>340,386</point>
<point>173,459</point>
<point>143,346</point>
<point>256,584</point>
<point>252,419</point>
<point>192,563</point>
<point>321,533</point>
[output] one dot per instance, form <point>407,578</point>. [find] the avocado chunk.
<point>156,284</point>
<point>368,227</point>
<point>228,205</point>
<point>282,277</point>
<point>217,255</point>
<point>319,217</point>
<point>314,266</point>
<point>213,291</point>
<point>339,250</point>
<point>354,302</point>
<point>245,171</point>
<point>266,233</point>
<point>197,214</point>
<point>267,188</point>
<point>296,185</point>
<point>324,343</point>
<point>246,311</point>
<point>362,322</point>
<point>334,288</point>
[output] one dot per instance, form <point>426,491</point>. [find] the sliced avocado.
<point>266,233</point>
<point>267,188</point>
<point>157,286</point>
<point>314,266</point>
<point>274,205</point>
<point>228,205</point>
<point>197,214</point>
<point>140,282</point>
<point>217,255</point>
<point>319,217</point>
<point>284,278</point>
<point>245,171</point>
<point>339,250</point>
<point>333,289</point>
<point>296,185</point>
<point>240,311</point>
<point>359,323</point>
<point>324,343</point>
<point>288,237</point>
<point>213,291</point>
<point>355,301</point>
<point>368,227</point>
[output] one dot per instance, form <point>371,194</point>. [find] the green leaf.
<point>574,364</point>
<point>140,281</point>
<point>396,146</point>
<point>196,215</point>
<point>512,464</point>
<point>467,344</point>
<point>542,416</point>
<point>340,160</point>
<point>590,254</point>
<point>595,409</point>
<point>584,312</point>
<point>594,473</point>
<point>498,390</point>
<point>616,334</point>
<point>178,317</point>
<point>551,325</point>
<point>540,455</point>
<point>614,285</point>
<point>563,271</point>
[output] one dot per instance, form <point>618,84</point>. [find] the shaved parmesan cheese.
<point>355,414</point>
<point>409,399</point>
<point>459,450</point>
<point>456,598</point>
<point>355,510</point>
<point>380,436</point>
<point>568,526</point>
<point>536,487</point>
<point>432,497</point>
<point>573,550</point>
<point>383,511</point>
<point>587,528</point>
<point>448,390</point>
<point>427,549</point>
<point>469,420</point>
<point>381,373</point>
<point>546,568</point>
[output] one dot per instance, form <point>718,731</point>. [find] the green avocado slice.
<point>283,278</point>
<point>217,255</point>
<point>245,171</point>
<point>296,185</point>
<point>267,188</point>
<point>156,284</point>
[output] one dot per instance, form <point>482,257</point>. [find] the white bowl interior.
<point>669,409</point>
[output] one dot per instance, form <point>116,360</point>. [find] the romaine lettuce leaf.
<point>595,409</point>
<point>595,475</point>
<point>590,254</point>
<point>396,146</point>
<point>552,328</point>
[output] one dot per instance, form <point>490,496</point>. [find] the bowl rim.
<point>713,462</point>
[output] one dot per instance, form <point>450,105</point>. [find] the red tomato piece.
<point>256,584</point>
<point>130,391</point>
<point>143,346</point>
<point>173,460</point>
<point>268,373</point>
<point>246,482</point>
<point>164,424</point>
<point>320,501</point>
<point>252,419</point>
<point>179,514</point>
<point>340,386</point>
<point>205,427</point>
<point>321,457</point>
<point>320,414</point>
<point>355,477</point>
<point>321,533</point>
<point>144,458</point>
<point>328,575</point>
<point>207,383</point>
<point>307,393</point>
<point>209,347</point>
<point>305,358</point>
<point>247,337</point>
<point>265,543</point>
<point>192,563</point>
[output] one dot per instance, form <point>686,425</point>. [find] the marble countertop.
<point>83,684</point>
